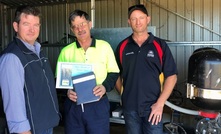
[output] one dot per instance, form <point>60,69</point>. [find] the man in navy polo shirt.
<point>142,58</point>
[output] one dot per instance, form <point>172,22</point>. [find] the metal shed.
<point>186,24</point>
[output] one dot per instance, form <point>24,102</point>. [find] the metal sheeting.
<point>55,18</point>
<point>3,28</point>
<point>189,20</point>
<point>15,3</point>
<point>186,20</point>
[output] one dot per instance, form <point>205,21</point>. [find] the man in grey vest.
<point>26,79</point>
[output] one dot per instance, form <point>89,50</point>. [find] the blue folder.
<point>83,85</point>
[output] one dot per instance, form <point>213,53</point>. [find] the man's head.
<point>138,18</point>
<point>27,23</point>
<point>80,24</point>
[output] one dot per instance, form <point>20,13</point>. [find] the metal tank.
<point>204,79</point>
<point>204,91</point>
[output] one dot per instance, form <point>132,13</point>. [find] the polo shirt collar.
<point>92,43</point>
<point>149,39</point>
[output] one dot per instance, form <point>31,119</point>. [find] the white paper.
<point>65,70</point>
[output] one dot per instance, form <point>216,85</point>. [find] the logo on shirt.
<point>150,53</point>
<point>129,53</point>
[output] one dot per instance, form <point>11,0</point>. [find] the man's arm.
<point>119,85</point>
<point>112,70</point>
<point>110,81</point>
<point>157,108</point>
<point>12,84</point>
<point>167,89</point>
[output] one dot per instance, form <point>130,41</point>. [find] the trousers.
<point>92,118</point>
<point>140,125</point>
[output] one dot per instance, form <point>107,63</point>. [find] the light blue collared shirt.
<point>12,85</point>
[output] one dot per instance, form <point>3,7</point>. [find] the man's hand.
<point>72,95</point>
<point>156,114</point>
<point>99,90</point>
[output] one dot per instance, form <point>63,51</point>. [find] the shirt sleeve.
<point>112,71</point>
<point>112,66</point>
<point>12,84</point>
<point>169,65</point>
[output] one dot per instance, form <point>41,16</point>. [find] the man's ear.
<point>128,21</point>
<point>72,30</point>
<point>90,24</point>
<point>15,26</point>
<point>148,19</point>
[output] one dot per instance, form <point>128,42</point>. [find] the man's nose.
<point>32,28</point>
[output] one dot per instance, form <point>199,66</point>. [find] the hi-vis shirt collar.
<point>92,44</point>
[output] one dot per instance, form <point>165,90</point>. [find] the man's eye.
<point>133,19</point>
<point>37,25</point>
<point>25,24</point>
<point>142,17</point>
<point>81,24</point>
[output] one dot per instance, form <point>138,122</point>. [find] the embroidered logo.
<point>150,54</point>
<point>129,53</point>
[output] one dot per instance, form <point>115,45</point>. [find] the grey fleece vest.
<point>39,89</point>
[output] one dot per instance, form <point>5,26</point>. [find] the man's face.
<point>138,21</point>
<point>28,28</point>
<point>81,28</point>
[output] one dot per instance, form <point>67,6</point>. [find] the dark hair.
<point>137,7</point>
<point>76,13</point>
<point>29,10</point>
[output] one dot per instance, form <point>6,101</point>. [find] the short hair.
<point>26,9</point>
<point>140,7</point>
<point>76,13</point>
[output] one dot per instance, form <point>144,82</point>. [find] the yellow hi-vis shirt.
<point>99,54</point>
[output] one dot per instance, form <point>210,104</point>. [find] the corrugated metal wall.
<point>110,13</point>
<point>175,20</point>
<point>3,26</point>
<point>186,20</point>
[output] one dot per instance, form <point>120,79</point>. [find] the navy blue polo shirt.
<point>140,69</point>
